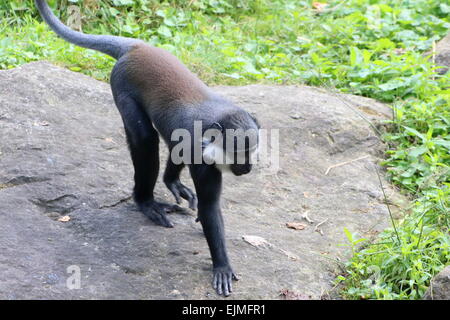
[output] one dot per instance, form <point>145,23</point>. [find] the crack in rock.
<point>21,180</point>
<point>62,205</point>
<point>115,204</point>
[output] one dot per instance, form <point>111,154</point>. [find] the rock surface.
<point>443,54</point>
<point>439,288</point>
<point>63,153</point>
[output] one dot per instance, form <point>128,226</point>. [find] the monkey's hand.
<point>222,278</point>
<point>156,211</point>
<point>179,191</point>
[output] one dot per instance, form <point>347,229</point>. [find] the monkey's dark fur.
<point>156,94</point>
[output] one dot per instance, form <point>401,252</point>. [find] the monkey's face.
<point>244,151</point>
<point>242,163</point>
<point>239,162</point>
<point>232,144</point>
<point>240,169</point>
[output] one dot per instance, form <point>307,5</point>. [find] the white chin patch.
<point>214,154</point>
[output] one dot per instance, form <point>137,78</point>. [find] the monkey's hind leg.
<point>143,142</point>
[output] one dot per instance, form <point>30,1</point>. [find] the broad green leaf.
<point>164,31</point>
<point>348,235</point>
<point>356,57</point>
<point>392,84</point>
<point>119,3</point>
<point>441,142</point>
<point>417,151</point>
<point>415,133</point>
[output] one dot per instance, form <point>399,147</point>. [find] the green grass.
<point>374,48</point>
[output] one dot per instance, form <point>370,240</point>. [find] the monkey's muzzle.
<point>240,169</point>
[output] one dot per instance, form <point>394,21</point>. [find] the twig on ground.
<point>387,205</point>
<point>305,216</point>
<point>316,229</point>
<point>344,163</point>
<point>433,56</point>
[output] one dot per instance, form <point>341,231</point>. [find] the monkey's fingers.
<point>179,191</point>
<point>226,282</point>
<point>222,281</point>
<point>158,218</point>
<point>190,196</point>
<point>222,284</point>
<point>193,204</point>
<point>173,208</point>
<point>230,283</point>
<point>175,193</point>
<point>217,283</point>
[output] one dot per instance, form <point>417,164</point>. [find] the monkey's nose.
<point>246,170</point>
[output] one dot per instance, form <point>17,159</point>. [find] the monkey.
<point>156,94</point>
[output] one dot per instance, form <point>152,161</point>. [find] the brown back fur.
<point>162,78</point>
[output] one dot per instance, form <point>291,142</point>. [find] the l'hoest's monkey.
<point>155,95</point>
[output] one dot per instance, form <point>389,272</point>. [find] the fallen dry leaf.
<point>110,140</point>
<point>255,240</point>
<point>290,255</point>
<point>291,295</point>
<point>41,123</point>
<point>400,51</point>
<point>296,225</point>
<point>319,6</point>
<point>64,219</point>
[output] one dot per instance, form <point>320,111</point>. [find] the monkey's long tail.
<point>111,45</point>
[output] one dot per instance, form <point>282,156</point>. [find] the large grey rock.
<point>440,286</point>
<point>443,54</point>
<point>63,152</point>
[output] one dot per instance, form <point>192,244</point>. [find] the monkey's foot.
<point>156,211</point>
<point>179,191</point>
<point>222,280</point>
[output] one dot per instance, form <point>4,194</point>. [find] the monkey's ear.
<point>217,126</point>
<point>255,120</point>
<point>211,138</point>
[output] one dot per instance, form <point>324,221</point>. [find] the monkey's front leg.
<point>208,184</point>
<point>172,181</point>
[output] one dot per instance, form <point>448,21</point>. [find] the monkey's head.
<point>232,143</point>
